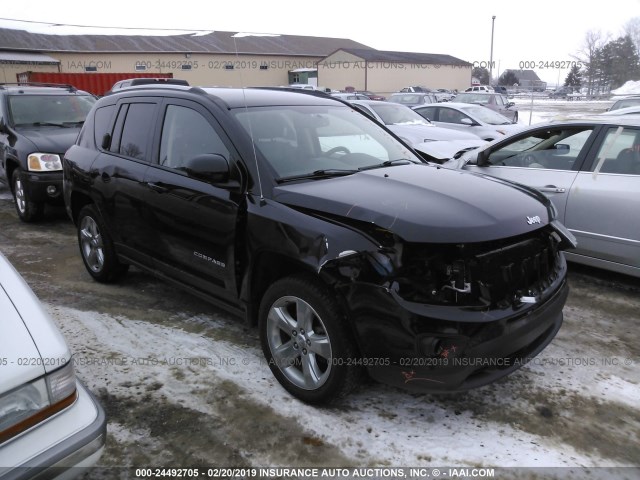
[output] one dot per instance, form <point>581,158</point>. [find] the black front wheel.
<point>306,340</point>
<point>28,211</point>
<point>96,247</point>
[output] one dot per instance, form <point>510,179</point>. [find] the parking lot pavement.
<point>184,384</point>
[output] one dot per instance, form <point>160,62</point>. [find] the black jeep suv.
<point>316,223</point>
<point>37,125</point>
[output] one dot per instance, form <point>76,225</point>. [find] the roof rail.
<point>315,93</point>
<point>68,86</point>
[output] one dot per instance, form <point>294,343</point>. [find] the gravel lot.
<point>184,384</point>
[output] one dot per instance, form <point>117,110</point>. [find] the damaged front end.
<point>447,317</point>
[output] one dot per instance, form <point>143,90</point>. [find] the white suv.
<point>480,88</point>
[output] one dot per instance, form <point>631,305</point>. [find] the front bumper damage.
<point>456,319</point>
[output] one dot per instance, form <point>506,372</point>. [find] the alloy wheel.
<point>91,244</point>
<point>299,342</point>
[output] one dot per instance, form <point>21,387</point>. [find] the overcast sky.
<point>539,31</point>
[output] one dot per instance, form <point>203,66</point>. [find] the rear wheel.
<point>28,211</point>
<point>306,340</point>
<point>96,247</point>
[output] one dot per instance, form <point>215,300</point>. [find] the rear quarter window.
<point>102,123</point>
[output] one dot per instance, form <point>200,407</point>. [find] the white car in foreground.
<point>49,422</point>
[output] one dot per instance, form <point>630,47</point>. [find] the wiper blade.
<point>49,124</point>
<point>74,124</point>
<point>388,163</point>
<point>327,173</point>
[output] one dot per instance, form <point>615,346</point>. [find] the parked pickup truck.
<point>317,224</point>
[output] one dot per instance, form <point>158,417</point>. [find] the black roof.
<point>214,42</point>
<point>239,97</point>
<point>371,55</point>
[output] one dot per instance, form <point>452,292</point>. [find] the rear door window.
<point>619,152</point>
<point>138,121</point>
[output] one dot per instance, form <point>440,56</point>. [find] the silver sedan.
<point>590,169</point>
<point>411,127</point>
<point>466,117</point>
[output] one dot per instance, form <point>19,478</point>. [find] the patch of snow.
<point>378,426</point>
<point>631,87</point>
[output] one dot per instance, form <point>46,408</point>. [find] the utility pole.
<point>493,21</point>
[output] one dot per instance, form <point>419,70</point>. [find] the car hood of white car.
<point>415,134</point>
<point>446,150</point>
<point>30,344</point>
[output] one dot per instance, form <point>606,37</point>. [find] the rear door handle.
<point>157,188</point>
<point>552,189</point>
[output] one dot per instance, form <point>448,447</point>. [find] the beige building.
<point>231,59</point>
<point>215,58</point>
<point>386,72</point>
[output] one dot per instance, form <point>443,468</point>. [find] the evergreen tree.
<point>574,77</point>
<point>508,78</point>
<point>482,74</point>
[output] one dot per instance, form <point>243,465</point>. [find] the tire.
<point>28,211</point>
<point>96,247</point>
<point>312,357</point>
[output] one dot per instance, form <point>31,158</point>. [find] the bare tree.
<point>594,40</point>
<point>632,28</point>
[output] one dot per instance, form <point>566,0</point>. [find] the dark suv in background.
<point>37,125</point>
<point>316,223</point>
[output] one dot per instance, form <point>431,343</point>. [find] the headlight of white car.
<point>44,162</point>
<point>30,404</point>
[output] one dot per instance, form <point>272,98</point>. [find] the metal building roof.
<point>214,42</point>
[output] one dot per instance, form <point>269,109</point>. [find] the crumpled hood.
<point>421,133</point>
<point>445,150</point>
<point>424,203</point>
<point>51,139</point>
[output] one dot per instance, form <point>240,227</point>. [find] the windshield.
<point>398,115</point>
<point>49,109</point>
<point>302,139</point>
<point>488,116</point>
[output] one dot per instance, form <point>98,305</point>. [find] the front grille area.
<point>495,274</point>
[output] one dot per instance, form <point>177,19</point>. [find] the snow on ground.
<point>545,109</point>
<point>375,426</point>
<point>631,87</point>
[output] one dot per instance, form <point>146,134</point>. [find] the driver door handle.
<point>157,188</point>
<point>552,189</point>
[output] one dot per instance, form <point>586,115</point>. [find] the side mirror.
<point>481,159</point>
<point>561,149</point>
<point>510,104</point>
<point>467,121</point>
<point>210,167</point>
